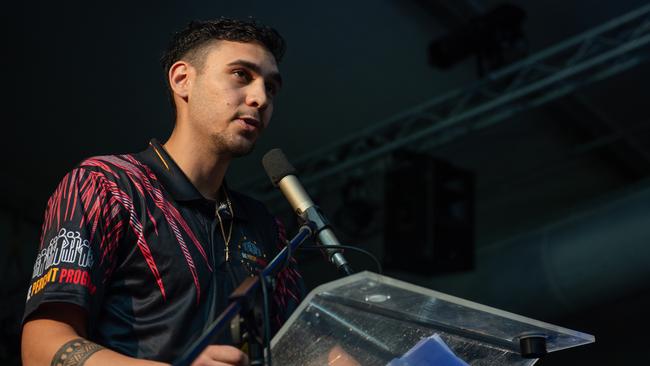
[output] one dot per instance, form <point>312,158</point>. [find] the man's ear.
<point>179,78</point>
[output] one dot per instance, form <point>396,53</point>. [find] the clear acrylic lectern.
<point>369,319</point>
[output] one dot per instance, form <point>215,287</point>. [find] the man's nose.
<point>257,95</point>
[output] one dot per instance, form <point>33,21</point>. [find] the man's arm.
<point>55,335</point>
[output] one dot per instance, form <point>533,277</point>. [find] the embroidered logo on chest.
<point>252,256</point>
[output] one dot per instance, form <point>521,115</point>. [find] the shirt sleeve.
<point>80,233</point>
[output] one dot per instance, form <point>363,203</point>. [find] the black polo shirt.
<point>132,241</point>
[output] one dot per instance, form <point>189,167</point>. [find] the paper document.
<point>430,351</point>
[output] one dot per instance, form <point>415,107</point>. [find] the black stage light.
<point>429,216</point>
<point>495,38</point>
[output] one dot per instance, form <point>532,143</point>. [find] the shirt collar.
<point>177,183</point>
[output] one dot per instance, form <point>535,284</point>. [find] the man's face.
<point>230,101</point>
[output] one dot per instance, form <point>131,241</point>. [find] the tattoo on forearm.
<point>75,353</point>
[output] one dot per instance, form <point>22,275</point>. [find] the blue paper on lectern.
<point>430,351</point>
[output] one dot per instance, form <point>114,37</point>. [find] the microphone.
<point>283,175</point>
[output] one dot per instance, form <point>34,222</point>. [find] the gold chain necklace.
<point>226,239</point>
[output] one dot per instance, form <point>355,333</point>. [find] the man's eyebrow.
<point>275,76</point>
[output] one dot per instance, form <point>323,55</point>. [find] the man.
<point>139,252</point>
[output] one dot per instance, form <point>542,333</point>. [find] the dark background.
<point>560,190</point>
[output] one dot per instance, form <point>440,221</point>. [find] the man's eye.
<point>241,74</point>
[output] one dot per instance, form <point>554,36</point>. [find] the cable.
<point>320,247</point>
<point>266,352</point>
<point>265,299</point>
<point>287,261</point>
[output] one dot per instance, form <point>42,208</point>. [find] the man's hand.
<point>221,356</point>
<point>338,357</point>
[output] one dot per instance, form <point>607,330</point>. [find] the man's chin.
<point>241,153</point>
<point>241,149</point>
<point>236,146</point>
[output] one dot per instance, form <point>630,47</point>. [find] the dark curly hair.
<point>191,43</point>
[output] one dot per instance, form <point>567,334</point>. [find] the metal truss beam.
<point>615,46</point>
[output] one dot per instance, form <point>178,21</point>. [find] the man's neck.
<point>202,166</point>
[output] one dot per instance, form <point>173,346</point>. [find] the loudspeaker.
<point>429,216</point>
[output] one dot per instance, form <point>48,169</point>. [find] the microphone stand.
<point>241,300</point>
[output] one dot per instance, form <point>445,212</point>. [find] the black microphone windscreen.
<point>277,166</point>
